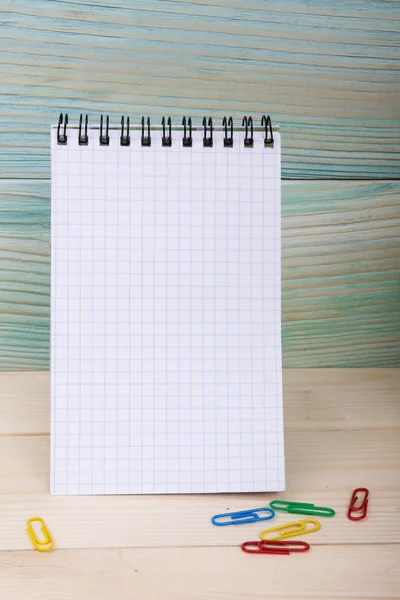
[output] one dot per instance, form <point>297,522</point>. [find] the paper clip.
<point>302,508</point>
<point>274,547</point>
<point>43,545</point>
<point>362,508</point>
<point>242,516</point>
<point>294,529</point>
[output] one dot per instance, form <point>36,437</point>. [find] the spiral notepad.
<point>165,308</point>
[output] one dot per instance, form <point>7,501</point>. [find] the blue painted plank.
<point>341,260</point>
<point>328,74</point>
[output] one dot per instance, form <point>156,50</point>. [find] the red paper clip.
<point>275,547</point>
<point>361,508</point>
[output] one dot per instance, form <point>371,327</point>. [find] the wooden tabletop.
<point>342,431</point>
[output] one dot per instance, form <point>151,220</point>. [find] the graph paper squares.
<point>165,317</point>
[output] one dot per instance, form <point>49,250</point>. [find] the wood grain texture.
<point>340,274</point>
<point>327,74</point>
<point>29,470</point>
<point>322,467</point>
<point>317,400</point>
<point>325,573</point>
<point>337,436</point>
<point>165,546</point>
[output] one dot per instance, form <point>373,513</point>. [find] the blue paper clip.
<point>242,516</point>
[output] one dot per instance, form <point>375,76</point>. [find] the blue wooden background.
<point>326,71</point>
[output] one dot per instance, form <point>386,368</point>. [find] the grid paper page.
<point>165,316</point>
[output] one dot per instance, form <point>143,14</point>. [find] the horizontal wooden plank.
<point>325,573</point>
<point>328,77</point>
<point>340,283</point>
<point>151,521</point>
<point>112,546</point>
<point>314,400</point>
<point>352,453</point>
<point>323,467</point>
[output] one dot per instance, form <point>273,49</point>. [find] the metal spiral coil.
<point>166,126</point>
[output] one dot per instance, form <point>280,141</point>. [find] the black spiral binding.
<point>125,139</point>
<point>266,121</point>
<point>228,141</point>
<point>187,139</point>
<point>208,141</point>
<point>104,140</point>
<point>166,140</point>
<point>146,139</point>
<point>83,139</point>
<point>248,141</point>
<point>62,137</point>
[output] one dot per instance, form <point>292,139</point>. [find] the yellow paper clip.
<point>295,528</point>
<point>43,545</point>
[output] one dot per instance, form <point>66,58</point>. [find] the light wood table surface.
<point>342,431</point>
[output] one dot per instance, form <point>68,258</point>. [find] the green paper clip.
<point>302,508</point>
